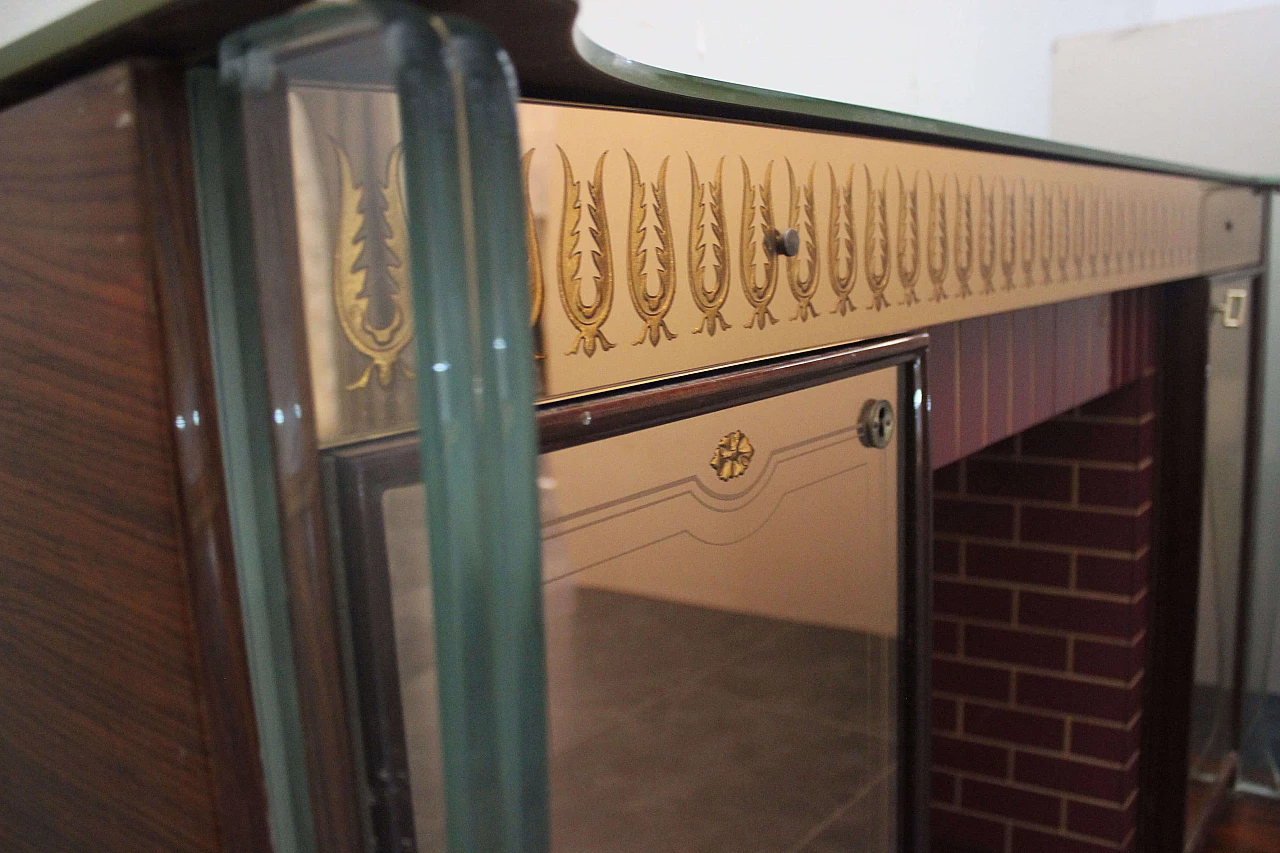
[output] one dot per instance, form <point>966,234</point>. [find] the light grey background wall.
<point>1203,91</point>
<point>978,62</point>
<point>19,17</point>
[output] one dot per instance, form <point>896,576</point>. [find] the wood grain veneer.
<point>125,723</point>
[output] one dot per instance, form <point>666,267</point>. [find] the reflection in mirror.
<point>1211,736</point>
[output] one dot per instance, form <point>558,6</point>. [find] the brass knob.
<point>787,242</point>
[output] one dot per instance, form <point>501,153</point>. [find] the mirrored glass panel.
<point>1212,729</point>
<point>722,623</point>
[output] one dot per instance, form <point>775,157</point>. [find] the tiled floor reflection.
<point>678,728</point>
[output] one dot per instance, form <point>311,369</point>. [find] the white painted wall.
<point>1204,91</point>
<point>978,62</point>
<point>19,17</point>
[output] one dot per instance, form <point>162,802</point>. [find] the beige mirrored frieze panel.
<point>661,245</point>
<point>348,186</point>
<point>721,607</point>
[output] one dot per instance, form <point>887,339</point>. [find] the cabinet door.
<point>733,606</point>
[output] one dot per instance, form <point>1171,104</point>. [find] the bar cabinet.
<point>541,446</point>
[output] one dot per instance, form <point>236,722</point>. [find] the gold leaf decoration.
<point>842,235</point>
<point>1091,230</point>
<point>1032,202</point>
<point>536,285</point>
<point>382,343</point>
<point>1161,231</point>
<point>909,237</point>
<point>1128,227</point>
<point>710,304</point>
<point>1050,229</point>
<point>877,253</point>
<point>732,455</point>
<point>987,237</point>
<point>1106,231</point>
<point>587,319</point>
<point>964,236</point>
<point>937,253</point>
<point>759,295</point>
<point>803,288</point>
<point>652,308</point>
<point>1062,236</point>
<point>1151,231</point>
<point>1008,233</point>
<point>1077,230</point>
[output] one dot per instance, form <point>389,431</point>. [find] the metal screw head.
<point>787,242</point>
<point>876,423</point>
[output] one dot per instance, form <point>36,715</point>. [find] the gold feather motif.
<point>708,303</point>
<point>1031,205</point>
<point>841,234</point>
<point>1106,232</point>
<point>651,308</point>
<point>1050,234</point>
<point>536,285</point>
<point>587,319</point>
<point>383,344</point>
<point>987,237</point>
<point>803,288</point>
<point>1077,230</point>
<point>1091,232</point>
<point>937,251</point>
<point>909,238</point>
<point>1062,238</point>
<point>964,236</point>
<point>1008,234</point>
<point>759,295</point>
<point>877,253</point>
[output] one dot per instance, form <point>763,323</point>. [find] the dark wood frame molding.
<point>1182,342</point>
<point>1182,349</point>
<point>360,473</point>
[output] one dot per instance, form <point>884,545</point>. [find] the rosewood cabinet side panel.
<point>103,742</point>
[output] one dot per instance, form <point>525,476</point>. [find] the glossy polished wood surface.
<point>104,738</point>
<point>169,182</point>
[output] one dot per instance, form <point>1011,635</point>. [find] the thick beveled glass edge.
<point>475,394</point>
<point>479,440</point>
<point>236,356</point>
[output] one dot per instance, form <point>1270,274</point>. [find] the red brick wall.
<point>1039,632</point>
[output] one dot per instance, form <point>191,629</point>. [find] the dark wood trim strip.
<point>1182,347</point>
<point>916,605</point>
<point>358,481</point>
<point>579,421</point>
<point>222,663</point>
